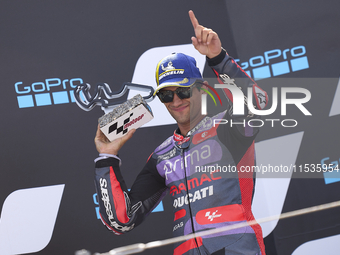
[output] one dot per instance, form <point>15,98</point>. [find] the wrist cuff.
<point>218,59</point>
<point>105,156</point>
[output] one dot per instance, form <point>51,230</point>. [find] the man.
<point>201,199</point>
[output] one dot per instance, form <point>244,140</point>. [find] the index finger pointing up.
<point>193,19</point>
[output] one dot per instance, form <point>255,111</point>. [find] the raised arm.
<point>120,209</point>
<point>206,41</point>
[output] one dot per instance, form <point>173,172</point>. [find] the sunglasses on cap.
<point>167,96</point>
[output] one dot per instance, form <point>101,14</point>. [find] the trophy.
<point>119,116</point>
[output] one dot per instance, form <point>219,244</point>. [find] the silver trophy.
<point>119,116</point>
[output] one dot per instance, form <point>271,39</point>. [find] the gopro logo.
<point>51,91</point>
<point>267,65</point>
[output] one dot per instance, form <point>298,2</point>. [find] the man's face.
<point>185,111</point>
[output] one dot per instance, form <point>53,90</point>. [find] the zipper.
<point>189,204</point>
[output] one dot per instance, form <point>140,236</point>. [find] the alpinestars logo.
<point>262,98</point>
<point>26,223</point>
<point>109,213</point>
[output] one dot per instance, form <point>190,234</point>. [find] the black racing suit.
<point>206,173</point>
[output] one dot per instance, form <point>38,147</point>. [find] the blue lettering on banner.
<point>51,91</point>
<point>333,173</point>
<point>159,207</point>
<point>263,66</point>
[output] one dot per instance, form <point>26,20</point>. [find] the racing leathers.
<point>205,172</point>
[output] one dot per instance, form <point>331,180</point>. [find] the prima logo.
<point>276,62</point>
<point>202,154</point>
<point>48,92</point>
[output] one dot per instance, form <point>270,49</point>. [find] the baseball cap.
<point>178,70</point>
